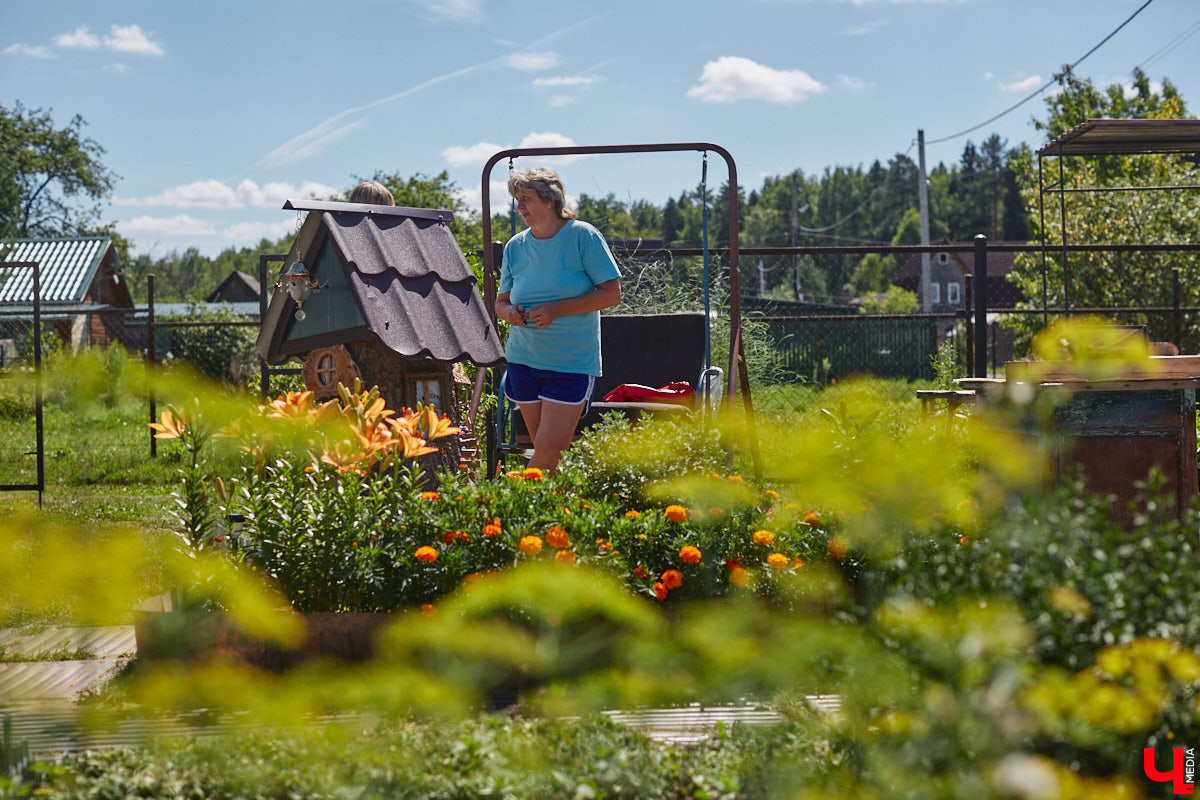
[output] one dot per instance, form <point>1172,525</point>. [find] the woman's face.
<point>536,212</point>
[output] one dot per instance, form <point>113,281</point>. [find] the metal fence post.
<point>969,327</point>
<point>981,303</point>
<point>150,359</point>
<point>1176,314</point>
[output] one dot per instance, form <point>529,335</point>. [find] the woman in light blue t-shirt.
<point>556,276</point>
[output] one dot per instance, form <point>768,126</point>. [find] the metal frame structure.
<point>737,374</point>
<point>1105,137</point>
<point>40,453</point>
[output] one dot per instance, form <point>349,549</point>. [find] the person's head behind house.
<point>545,183</point>
<point>372,193</point>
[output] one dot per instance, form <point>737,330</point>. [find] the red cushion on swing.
<point>679,392</point>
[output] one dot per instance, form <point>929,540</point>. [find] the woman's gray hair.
<point>545,183</point>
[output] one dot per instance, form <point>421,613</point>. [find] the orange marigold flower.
<point>812,519</point>
<point>633,514</point>
<point>777,561</point>
<point>771,494</point>
<point>557,538</point>
<point>689,554</point>
<point>530,545</point>
<point>603,545</point>
<point>310,468</point>
<point>964,540</point>
<point>430,496</point>
<point>672,579</point>
<point>797,563</point>
<point>696,514</point>
<point>426,554</point>
<point>513,473</point>
<point>472,578</point>
<point>736,479</point>
<point>532,474</point>
<point>764,537</point>
<point>717,511</point>
<point>838,547</point>
<point>739,576</point>
<point>491,529</point>
<point>660,591</point>
<point>640,573</point>
<point>675,513</point>
<point>428,609</point>
<point>565,556</point>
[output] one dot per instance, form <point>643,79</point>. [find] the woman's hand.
<point>542,314</point>
<point>510,312</point>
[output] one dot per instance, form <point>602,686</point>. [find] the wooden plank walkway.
<point>39,697</point>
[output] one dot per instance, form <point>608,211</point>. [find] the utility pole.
<point>923,198</point>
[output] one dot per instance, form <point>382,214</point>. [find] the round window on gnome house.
<point>326,367</point>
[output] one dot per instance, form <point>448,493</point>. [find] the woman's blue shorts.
<point>525,384</point>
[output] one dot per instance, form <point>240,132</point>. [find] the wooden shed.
<point>394,303</point>
<point>84,294</point>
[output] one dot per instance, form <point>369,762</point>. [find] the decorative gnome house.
<point>384,294</point>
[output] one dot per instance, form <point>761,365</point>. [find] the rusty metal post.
<point>150,359</point>
<point>490,281</point>
<point>264,372</point>
<point>981,305</point>
<point>1176,314</point>
<point>969,332</point>
<point>37,381</point>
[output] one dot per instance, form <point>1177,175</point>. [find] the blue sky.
<point>213,113</point>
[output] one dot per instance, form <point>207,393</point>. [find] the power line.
<point>1161,52</point>
<point>1044,86</point>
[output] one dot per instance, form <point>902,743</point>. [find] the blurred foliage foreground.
<point>987,637</point>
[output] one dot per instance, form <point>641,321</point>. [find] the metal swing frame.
<point>737,375</point>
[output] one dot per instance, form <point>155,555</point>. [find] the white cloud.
<point>475,155</point>
<point>560,100</point>
<point>1130,91</point>
<point>32,51</point>
<point>850,82</point>
<point>131,39</point>
<point>80,37</point>
<point>156,234</point>
<point>178,225</point>
<point>732,78</point>
<point>1023,85</point>
<point>574,80</point>
<point>117,67</point>
<point>498,196</point>
<point>215,194</point>
<point>533,62</point>
<point>452,10</point>
<point>865,28</point>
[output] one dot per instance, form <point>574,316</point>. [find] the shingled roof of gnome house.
<point>395,276</point>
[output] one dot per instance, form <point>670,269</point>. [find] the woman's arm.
<point>508,311</point>
<point>604,295</point>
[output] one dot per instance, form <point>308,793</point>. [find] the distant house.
<point>84,297</point>
<point>238,287</point>
<point>396,305</point>
<point>947,285</point>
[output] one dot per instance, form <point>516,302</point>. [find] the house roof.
<point>249,282</point>
<point>408,278</point>
<point>67,268</point>
<point>999,264</point>
<point>1115,136</point>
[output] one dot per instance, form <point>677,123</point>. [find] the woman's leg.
<point>532,414</point>
<point>555,429</point>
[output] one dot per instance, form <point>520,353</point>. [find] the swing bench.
<point>650,350</point>
<point>644,349</point>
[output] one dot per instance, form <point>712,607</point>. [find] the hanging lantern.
<point>299,285</point>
